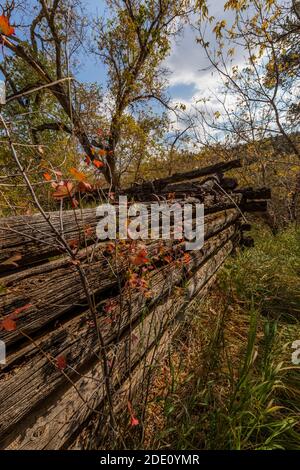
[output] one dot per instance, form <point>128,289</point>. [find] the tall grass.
<point>230,383</point>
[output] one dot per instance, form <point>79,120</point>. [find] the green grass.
<point>232,384</point>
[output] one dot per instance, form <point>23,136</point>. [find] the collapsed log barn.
<point>43,406</point>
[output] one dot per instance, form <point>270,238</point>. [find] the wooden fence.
<point>61,379</point>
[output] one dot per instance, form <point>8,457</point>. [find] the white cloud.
<point>189,65</point>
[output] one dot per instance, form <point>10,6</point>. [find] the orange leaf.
<point>140,258</point>
<point>102,152</point>
<point>186,258</point>
<point>61,362</point>
<point>5,27</point>
<point>98,164</point>
<point>47,176</point>
<point>78,175</point>
<point>8,324</point>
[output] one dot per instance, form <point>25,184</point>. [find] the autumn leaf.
<point>98,164</point>
<point>63,190</point>
<point>102,152</point>
<point>47,176</point>
<point>87,160</point>
<point>19,310</point>
<point>186,258</point>
<point>5,27</point>
<point>84,187</point>
<point>133,280</point>
<point>110,248</point>
<point>61,362</point>
<point>168,259</point>
<point>134,421</point>
<point>8,324</point>
<point>140,258</point>
<point>74,243</point>
<point>78,175</point>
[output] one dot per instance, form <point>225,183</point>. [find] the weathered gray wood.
<point>159,184</point>
<point>133,387</point>
<point>64,416</point>
<point>55,288</point>
<point>26,385</point>
<point>28,240</point>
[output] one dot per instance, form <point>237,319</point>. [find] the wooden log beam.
<point>159,184</point>
<point>68,412</point>
<point>254,206</point>
<point>257,194</point>
<point>55,288</point>
<point>77,339</point>
<point>29,240</point>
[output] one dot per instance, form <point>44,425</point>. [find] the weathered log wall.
<point>46,406</point>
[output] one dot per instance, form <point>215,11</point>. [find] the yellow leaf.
<point>78,175</point>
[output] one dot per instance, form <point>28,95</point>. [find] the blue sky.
<point>188,80</point>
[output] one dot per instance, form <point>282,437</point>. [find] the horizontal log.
<point>22,389</point>
<point>254,206</point>
<point>28,240</point>
<point>55,288</point>
<point>31,237</point>
<point>259,193</point>
<point>88,437</point>
<point>159,184</point>
<point>67,413</point>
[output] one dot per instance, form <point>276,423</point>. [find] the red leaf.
<point>74,243</point>
<point>186,258</point>
<point>61,362</point>
<point>134,421</point>
<point>98,164</point>
<point>140,258</point>
<point>18,310</point>
<point>8,324</point>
